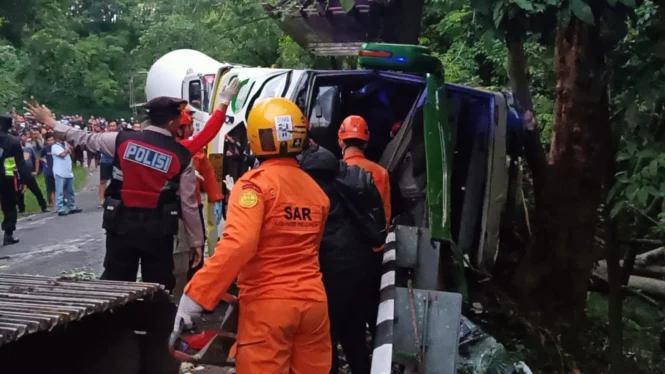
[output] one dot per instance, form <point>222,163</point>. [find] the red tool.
<point>211,339</point>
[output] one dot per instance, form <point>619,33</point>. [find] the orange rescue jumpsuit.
<point>271,242</point>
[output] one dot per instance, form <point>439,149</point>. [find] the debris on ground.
<point>187,368</point>
<point>79,274</point>
<point>479,353</point>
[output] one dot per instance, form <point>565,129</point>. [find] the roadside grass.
<point>31,205</point>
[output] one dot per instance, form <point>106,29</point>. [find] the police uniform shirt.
<point>106,143</point>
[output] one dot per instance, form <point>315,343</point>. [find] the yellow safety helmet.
<point>276,127</point>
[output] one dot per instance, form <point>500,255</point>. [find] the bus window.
<point>274,87</point>
<point>324,119</point>
<point>207,101</point>
<point>243,94</point>
<point>195,94</point>
<point>321,115</point>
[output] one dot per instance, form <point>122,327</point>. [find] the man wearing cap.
<point>152,186</point>
<point>11,157</point>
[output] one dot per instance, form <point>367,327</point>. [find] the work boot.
<point>9,239</point>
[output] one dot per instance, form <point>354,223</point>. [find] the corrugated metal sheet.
<point>29,303</point>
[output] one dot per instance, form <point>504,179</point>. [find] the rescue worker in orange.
<point>353,137</point>
<point>206,179</point>
<point>271,242</point>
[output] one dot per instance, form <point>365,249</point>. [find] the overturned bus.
<point>450,151</point>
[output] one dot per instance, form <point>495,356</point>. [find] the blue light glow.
<point>401,59</point>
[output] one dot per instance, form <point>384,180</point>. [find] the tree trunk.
<point>647,286</point>
<point>513,245</point>
<point>519,84</point>
<point>647,271</point>
<point>651,257</point>
<point>613,258</point>
<point>554,276</point>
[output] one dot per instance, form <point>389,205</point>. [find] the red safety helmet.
<point>354,127</point>
<point>186,117</point>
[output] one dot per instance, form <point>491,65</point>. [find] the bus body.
<point>465,133</point>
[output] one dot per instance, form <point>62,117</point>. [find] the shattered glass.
<point>479,353</point>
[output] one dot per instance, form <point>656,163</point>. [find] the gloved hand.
<point>199,176</point>
<point>188,309</point>
<point>229,183</point>
<point>217,210</point>
<point>229,92</point>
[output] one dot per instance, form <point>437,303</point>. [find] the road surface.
<point>50,244</point>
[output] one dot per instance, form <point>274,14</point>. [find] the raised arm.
<point>96,142</point>
<point>208,133</point>
<point>214,124</point>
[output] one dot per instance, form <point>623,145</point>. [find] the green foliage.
<point>473,52</point>
<point>78,56</point>
<point>291,55</point>
<point>10,89</point>
<point>639,104</point>
<point>582,10</point>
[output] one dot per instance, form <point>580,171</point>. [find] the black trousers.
<point>8,201</point>
<point>193,270</point>
<point>20,201</point>
<point>124,251</point>
<point>374,272</point>
<point>347,309</point>
<point>32,185</point>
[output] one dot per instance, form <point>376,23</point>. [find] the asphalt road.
<point>50,245</point>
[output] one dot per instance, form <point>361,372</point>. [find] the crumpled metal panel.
<point>437,317</point>
<point>29,304</point>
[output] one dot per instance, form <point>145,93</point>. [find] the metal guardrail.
<point>29,304</point>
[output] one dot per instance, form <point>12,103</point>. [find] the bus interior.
<point>392,104</point>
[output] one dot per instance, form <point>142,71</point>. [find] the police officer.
<point>11,158</point>
<point>152,186</point>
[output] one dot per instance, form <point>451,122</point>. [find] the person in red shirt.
<point>195,144</point>
<point>214,124</point>
<point>206,180</point>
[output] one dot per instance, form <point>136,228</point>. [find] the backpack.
<point>357,189</point>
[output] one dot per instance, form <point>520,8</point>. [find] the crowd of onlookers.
<point>54,158</point>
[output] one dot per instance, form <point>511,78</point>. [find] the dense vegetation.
<point>591,71</point>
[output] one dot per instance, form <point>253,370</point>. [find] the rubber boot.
<point>9,238</point>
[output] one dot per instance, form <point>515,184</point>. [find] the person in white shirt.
<point>64,178</point>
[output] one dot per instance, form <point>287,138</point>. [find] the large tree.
<point>553,276</point>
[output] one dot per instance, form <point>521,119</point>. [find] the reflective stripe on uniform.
<point>117,173</point>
